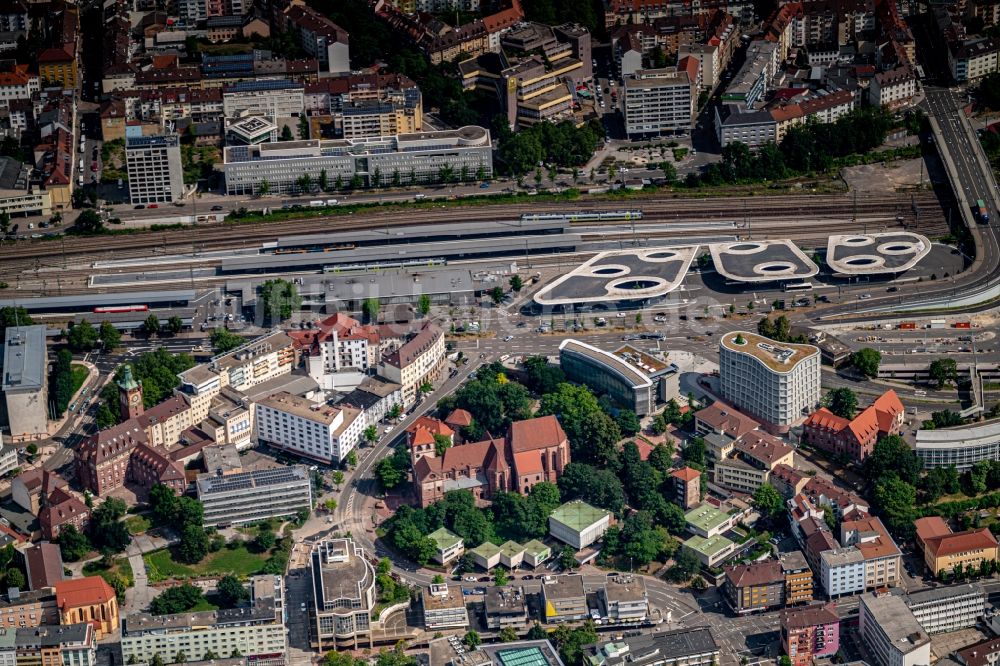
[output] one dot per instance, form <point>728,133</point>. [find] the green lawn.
<point>160,564</point>
<point>121,566</point>
<point>204,605</point>
<point>137,524</point>
<point>79,375</point>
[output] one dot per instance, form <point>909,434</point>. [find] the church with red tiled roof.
<point>534,450</point>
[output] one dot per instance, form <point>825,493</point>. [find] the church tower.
<point>129,396</point>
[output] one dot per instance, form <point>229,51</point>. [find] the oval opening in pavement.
<point>635,284</point>
<point>860,261</point>
<point>857,240</point>
<point>896,248</point>
<point>743,247</point>
<point>608,271</point>
<point>661,255</point>
<point>774,268</point>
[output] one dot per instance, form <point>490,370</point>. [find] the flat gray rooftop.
<point>622,275</point>
<point>24,358</point>
<point>398,282</point>
<point>870,254</point>
<point>762,261</point>
<point>419,232</point>
<point>89,301</point>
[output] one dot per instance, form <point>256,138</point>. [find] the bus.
<point>798,286</point>
<point>981,212</point>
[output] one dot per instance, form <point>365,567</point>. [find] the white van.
<point>316,204</point>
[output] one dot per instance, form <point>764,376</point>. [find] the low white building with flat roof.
<point>25,382</point>
<point>317,431</point>
<point>424,157</point>
<point>579,524</point>
<point>444,607</point>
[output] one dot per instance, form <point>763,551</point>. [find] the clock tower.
<point>129,396</point>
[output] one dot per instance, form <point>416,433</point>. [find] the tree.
<point>694,452</point>
<point>231,591</point>
<point>303,127</point>
<point>178,599</point>
<point>536,633</point>
<point>109,336</point>
<point>193,546</point>
<point>164,504</point>
<point>175,324</point>
<point>392,470</point>
<point>89,222</point>
<point>441,444</point>
<point>223,341</point>
<point>669,172</point>
<point>264,188</point>
<point>842,402</point>
<point>370,308</point>
<point>151,325</point>
<point>82,336</point>
<point>685,566</point>
<point>424,305</point>
<point>14,578</point>
<point>943,370</point>
<point>277,300</point>
<point>286,133</point>
<point>72,544</point>
<point>599,487</point>
<point>892,457</point>
<point>516,283</point>
<point>866,360</point>
<point>896,501</point>
<point>542,377</point>
<point>500,577</point>
<point>472,639</point>
<point>496,295</point>
<point>371,434</point>
<point>338,478</point>
<point>768,501</point>
<point>508,635</point>
<point>628,422</point>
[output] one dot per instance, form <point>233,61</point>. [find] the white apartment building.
<point>257,632</point>
<point>230,420</point>
<point>891,632</point>
<point>776,382</point>
<point>893,88</point>
<point>66,645</point>
<point>659,101</point>
<point>972,59</point>
<point>258,361</point>
<point>417,361</point>
<point>246,496</point>
<point>883,560</point>
<point>444,607</point>
<point>339,344</point>
<point>842,571</point>
<point>343,591</point>
<point>18,83</point>
<point>274,98</point>
<point>155,174</point>
<point>8,461</point>
<point>710,57</point>
<point>414,158</point>
<point>948,608</point>
<point>734,123</point>
<point>320,432</point>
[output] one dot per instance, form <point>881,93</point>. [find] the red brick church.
<point>533,451</point>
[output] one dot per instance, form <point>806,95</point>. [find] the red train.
<point>121,308</point>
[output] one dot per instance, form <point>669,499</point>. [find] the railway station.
<point>762,261</point>
<point>624,276</point>
<point>875,254</point>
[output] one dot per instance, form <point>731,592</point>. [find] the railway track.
<point>26,255</point>
<point>76,279</point>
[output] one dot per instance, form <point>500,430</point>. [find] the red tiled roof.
<point>539,433</point>
<point>83,592</point>
<point>761,446</point>
<point>528,462</point>
<point>887,408</point>
<point>686,474</point>
<point>726,419</point>
<point>758,573</point>
<point>813,615</point>
<point>55,55</point>
<point>459,418</point>
<point>824,419</point>
<point>979,654</point>
<point>961,542</point>
<point>930,527</point>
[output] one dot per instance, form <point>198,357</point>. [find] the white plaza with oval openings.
<point>621,275</point>
<point>871,254</point>
<point>762,261</point>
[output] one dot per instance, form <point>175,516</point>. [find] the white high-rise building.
<point>658,101</point>
<point>155,174</point>
<point>775,382</point>
<point>316,431</point>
